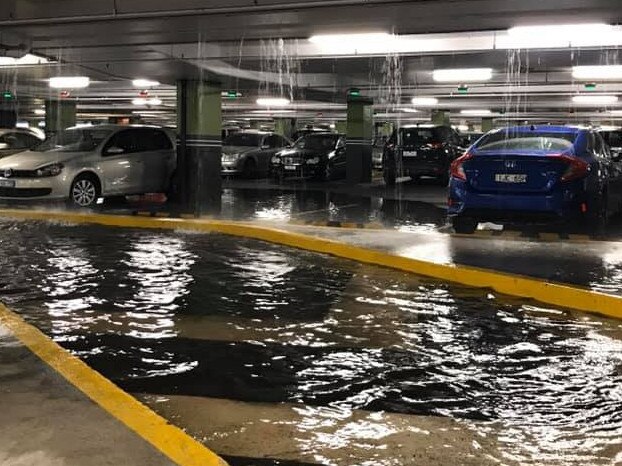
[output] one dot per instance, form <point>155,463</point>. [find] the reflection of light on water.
<point>611,280</point>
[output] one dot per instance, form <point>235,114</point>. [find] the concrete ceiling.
<point>238,42</point>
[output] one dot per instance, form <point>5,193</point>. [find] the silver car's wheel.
<point>84,191</point>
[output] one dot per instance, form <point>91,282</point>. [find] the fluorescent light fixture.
<point>69,82</point>
<point>481,112</point>
<point>597,72</point>
<point>374,42</point>
<point>464,75</point>
<point>560,36</point>
<point>409,110</point>
<point>616,112</point>
<point>28,59</point>
<point>425,101</point>
<point>594,99</point>
<point>39,111</point>
<point>272,112</point>
<point>144,83</point>
<point>22,124</point>
<point>272,101</point>
<point>142,101</point>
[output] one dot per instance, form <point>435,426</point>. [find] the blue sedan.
<point>536,174</point>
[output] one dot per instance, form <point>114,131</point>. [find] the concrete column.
<point>360,128</point>
<point>199,149</point>
<point>59,114</point>
<point>486,124</point>
<point>440,117</point>
<point>285,126</point>
<point>341,127</point>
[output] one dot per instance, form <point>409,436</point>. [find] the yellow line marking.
<point>556,294</point>
<point>170,440</point>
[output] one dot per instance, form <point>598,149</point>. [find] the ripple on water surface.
<point>174,314</point>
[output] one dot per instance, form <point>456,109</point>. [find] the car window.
<point>271,141</point>
<point>28,140</point>
<point>126,139</point>
<point>75,140</point>
<point>160,141</point>
<point>317,142</point>
<point>12,142</point>
<point>613,138</point>
<point>527,140</point>
<point>243,139</point>
<point>415,136</point>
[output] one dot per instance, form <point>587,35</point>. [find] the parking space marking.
<point>170,440</point>
<point>556,294</point>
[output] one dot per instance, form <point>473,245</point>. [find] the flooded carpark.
<point>265,352</point>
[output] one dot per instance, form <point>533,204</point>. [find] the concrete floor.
<point>48,422</point>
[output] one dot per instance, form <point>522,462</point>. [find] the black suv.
<point>422,150</point>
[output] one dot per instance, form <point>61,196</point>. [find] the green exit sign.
<point>8,95</point>
<point>463,89</point>
<point>354,92</point>
<point>590,87</point>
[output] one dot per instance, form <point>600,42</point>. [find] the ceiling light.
<point>560,36</point>
<point>143,83</point>
<point>615,112</point>
<point>476,112</point>
<point>597,72</point>
<point>69,82</point>
<point>409,110</point>
<point>424,101</point>
<point>375,42</point>
<point>463,75</point>
<point>39,111</point>
<point>143,101</point>
<point>28,59</point>
<point>594,99</point>
<point>273,101</point>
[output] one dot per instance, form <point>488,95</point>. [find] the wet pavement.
<point>269,354</point>
<point>48,422</point>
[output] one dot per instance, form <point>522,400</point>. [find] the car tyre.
<point>85,190</point>
<point>464,225</point>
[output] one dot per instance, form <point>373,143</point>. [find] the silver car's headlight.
<point>313,161</point>
<point>275,160</point>
<point>230,157</point>
<point>53,169</point>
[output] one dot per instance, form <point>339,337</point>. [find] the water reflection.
<point>348,364</point>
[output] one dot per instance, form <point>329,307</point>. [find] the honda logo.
<point>510,164</point>
<point>8,173</point>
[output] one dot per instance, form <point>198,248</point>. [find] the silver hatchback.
<point>82,164</point>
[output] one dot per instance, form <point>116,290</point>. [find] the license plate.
<point>510,178</point>
<point>7,184</point>
<point>410,153</point>
<point>290,167</point>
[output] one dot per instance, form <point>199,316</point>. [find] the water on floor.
<point>267,353</point>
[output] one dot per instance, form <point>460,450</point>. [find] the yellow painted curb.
<point>170,440</point>
<point>556,294</point>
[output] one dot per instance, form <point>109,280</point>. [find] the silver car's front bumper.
<point>53,187</point>
<point>231,167</point>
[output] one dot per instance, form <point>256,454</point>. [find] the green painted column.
<point>440,117</point>
<point>285,126</point>
<point>59,114</point>
<point>341,127</point>
<point>359,133</point>
<point>487,124</point>
<point>199,149</point>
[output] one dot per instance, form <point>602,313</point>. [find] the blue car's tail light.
<point>457,169</point>
<point>577,168</point>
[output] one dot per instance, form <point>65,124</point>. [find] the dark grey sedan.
<point>248,153</point>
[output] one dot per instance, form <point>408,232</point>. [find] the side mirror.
<point>4,146</point>
<point>114,150</point>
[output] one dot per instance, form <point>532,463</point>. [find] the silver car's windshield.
<point>75,140</point>
<point>243,139</point>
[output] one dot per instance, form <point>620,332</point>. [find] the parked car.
<point>321,156</point>
<point>377,148</point>
<point>86,163</point>
<point>248,153</point>
<point>536,174</point>
<point>613,138</point>
<point>16,140</point>
<point>422,150</point>
<point>308,130</point>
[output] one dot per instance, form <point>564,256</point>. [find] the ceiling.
<point>260,47</point>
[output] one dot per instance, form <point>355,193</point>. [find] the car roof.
<point>115,126</point>
<point>547,128</point>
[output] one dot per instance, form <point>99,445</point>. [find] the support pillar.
<point>341,127</point>
<point>360,127</point>
<point>285,126</point>
<point>440,117</point>
<point>59,114</point>
<point>486,125</point>
<point>199,147</point>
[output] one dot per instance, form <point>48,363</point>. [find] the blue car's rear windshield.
<point>527,140</point>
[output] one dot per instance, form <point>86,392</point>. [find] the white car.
<point>83,164</point>
<point>14,140</point>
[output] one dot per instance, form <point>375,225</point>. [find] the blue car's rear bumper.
<point>560,204</point>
